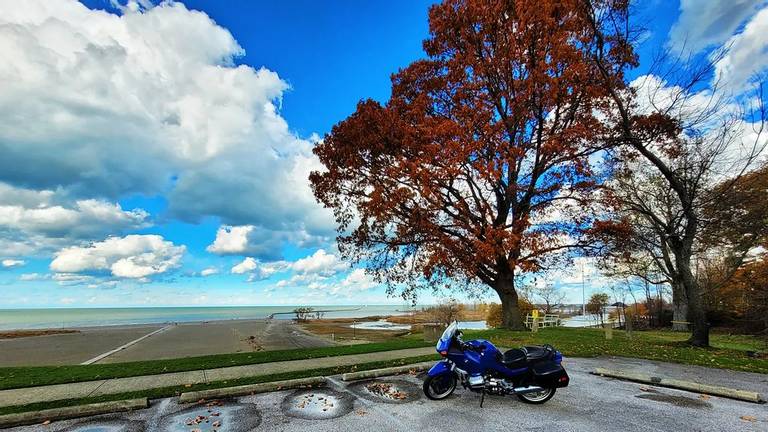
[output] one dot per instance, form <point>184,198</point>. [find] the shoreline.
<point>373,311</point>
<point>47,331</point>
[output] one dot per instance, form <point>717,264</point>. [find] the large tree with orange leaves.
<point>454,181</point>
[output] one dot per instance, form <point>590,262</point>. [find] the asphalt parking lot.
<point>590,403</point>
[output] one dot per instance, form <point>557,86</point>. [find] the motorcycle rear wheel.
<point>538,397</point>
<point>440,386</point>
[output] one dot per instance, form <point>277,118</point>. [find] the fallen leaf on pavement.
<point>704,397</point>
<point>748,418</point>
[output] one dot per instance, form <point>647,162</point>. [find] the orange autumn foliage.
<point>440,185</point>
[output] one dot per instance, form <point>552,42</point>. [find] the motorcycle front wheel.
<point>440,386</point>
<point>537,397</point>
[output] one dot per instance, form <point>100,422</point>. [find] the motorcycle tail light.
<point>444,353</point>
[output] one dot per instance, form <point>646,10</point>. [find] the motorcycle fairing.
<point>440,368</point>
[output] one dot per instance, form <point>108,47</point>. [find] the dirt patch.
<point>253,342</point>
<point>681,401</point>
<point>317,404</point>
<point>15,334</point>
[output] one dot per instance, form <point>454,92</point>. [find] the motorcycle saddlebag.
<point>550,374</point>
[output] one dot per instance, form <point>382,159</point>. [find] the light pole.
<point>583,296</point>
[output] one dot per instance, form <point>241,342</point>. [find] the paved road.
<point>590,404</point>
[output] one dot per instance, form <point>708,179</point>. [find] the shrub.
<point>494,315</point>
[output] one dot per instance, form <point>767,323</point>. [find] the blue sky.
<point>157,154</point>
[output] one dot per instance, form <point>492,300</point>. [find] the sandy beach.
<point>177,340</point>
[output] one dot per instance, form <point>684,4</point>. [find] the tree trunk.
<point>697,315</point>
<point>510,310</point>
<point>679,307</point>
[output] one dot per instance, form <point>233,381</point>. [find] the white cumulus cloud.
<point>357,280</point>
<point>10,263</point>
<point>131,257</point>
<point>209,271</point>
<point>257,270</point>
<point>32,222</point>
<point>321,262</point>
<point>706,23</point>
<point>149,102</point>
<point>247,265</point>
<point>746,57</point>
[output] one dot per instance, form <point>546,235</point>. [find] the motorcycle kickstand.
<point>482,398</point>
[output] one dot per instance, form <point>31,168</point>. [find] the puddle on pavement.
<point>213,416</point>
<point>680,401</point>
<point>317,404</point>
<point>391,390</point>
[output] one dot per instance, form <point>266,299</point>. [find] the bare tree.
<point>303,313</point>
<point>551,296</point>
<point>446,312</point>
<point>674,143</point>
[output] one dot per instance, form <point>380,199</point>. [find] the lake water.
<point>97,317</point>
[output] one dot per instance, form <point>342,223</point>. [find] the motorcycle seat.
<point>536,353</point>
<point>521,357</point>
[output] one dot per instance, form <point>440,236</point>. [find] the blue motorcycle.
<point>532,373</point>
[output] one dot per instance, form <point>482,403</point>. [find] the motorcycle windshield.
<point>445,339</point>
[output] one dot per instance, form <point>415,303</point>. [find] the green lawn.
<point>176,390</point>
<point>17,377</point>
<point>727,351</point>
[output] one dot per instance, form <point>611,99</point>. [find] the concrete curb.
<point>744,395</point>
<point>375,373</point>
<point>37,417</point>
<point>249,389</point>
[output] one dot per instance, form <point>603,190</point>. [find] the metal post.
<point>583,295</point>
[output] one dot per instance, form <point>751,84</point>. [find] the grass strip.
<point>176,390</point>
<point>20,377</point>
<point>727,351</point>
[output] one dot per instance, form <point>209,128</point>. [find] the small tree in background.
<point>597,304</point>
<point>303,313</point>
<point>447,312</point>
<point>550,295</point>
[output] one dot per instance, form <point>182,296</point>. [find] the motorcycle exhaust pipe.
<point>529,389</point>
